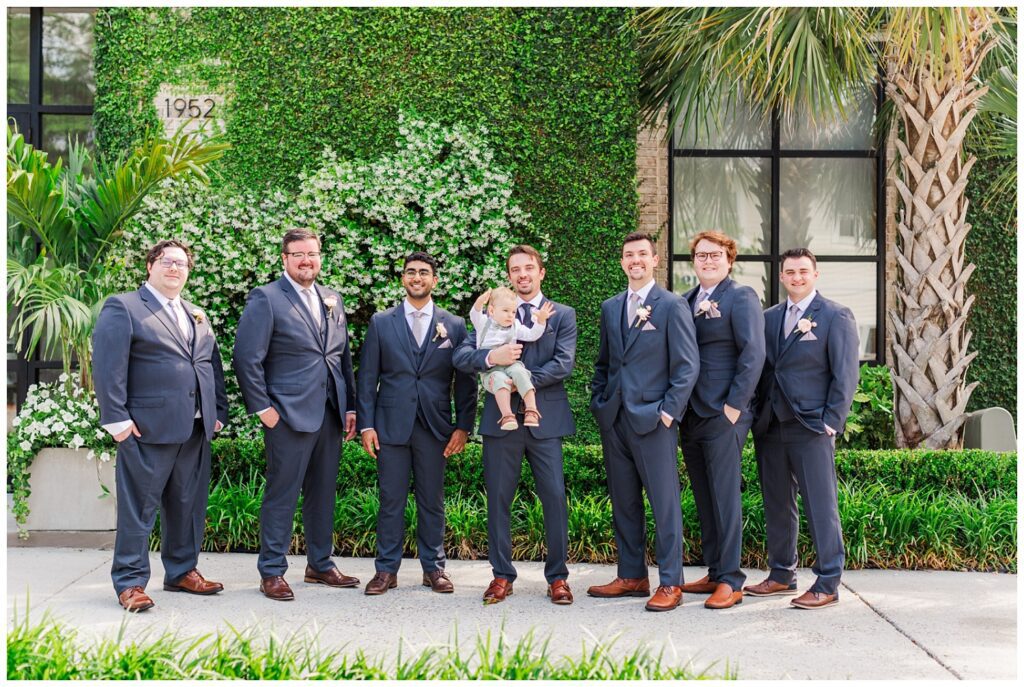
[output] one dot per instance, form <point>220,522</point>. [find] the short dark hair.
<point>797,253</point>
<point>524,249</point>
<point>157,250</point>
<point>293,235</point>
<point>420,256</point>
<point>640,236</point>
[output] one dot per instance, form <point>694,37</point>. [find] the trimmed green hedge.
<point>555,87</point>
<point>971,472</point>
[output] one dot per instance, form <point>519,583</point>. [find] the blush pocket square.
<point>809,336</point>
<point>447,344</point>
<point>648,328</point>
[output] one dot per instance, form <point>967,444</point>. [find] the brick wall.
<point>652,187</point>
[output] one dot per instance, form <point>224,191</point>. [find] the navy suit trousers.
<point>175,478</point>
<point>791,457</point>
<point>423,459</point>
<point>305,462</point>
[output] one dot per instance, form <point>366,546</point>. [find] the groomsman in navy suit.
<point>294,368</point>
<point>404,411</point>
<point>804,395</point>
<point>550,360</point>
<point>730,337</point>
<point>646,367</point>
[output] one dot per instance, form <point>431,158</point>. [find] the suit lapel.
<point>812,313</point>
<point>652,299</point>
<point>328,325</point>
<point>432,342</point>
<point>615,323</point>
<point>196,327</point>
<point>165,318</point>
<point>402,333</point>
<point>292,295</point>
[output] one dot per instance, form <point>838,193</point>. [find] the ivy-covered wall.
<point>992,246</point>
<point>556,89</point>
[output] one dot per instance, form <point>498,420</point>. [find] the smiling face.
<point>169,272</point>
<point>525,275</point>
<point>638,262</point>
<point>302,261</point>
<point>418,279</point>
<point>798,276</point>
<point>710,262</point>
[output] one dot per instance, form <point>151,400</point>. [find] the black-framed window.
<point>50,90</point>
<point>779,184</point>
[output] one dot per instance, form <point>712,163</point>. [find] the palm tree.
<point>695,59</point>
<point>61,225</point>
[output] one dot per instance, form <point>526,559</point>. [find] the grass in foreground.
<point>51,651</point>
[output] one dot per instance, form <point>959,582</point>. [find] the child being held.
<point>497,328</point>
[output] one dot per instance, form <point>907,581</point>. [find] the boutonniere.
<point>440,332</point>
<point>805,324</point>
<point>709,309</point>
<point>198,315</point>
<point>642,314</point>
<point>331,303</point>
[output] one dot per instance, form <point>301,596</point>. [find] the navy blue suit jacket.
<point>550,361</point>
<point>144,370</point>
<point>282,361</point>
<point>391,386</point>
<point>731,349</point>
<point>653,371</point>
<point>816,373</point>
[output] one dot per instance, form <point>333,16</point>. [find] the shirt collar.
<point>803,305</point>
<point>298,287</point>
<point>708,291</point>
<point>164,300</point>
<point>643,291</point>
<point>535,301</point>
<point>410,308</point>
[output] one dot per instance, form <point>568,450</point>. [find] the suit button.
<point>192,393</point>
<point>417,377</point>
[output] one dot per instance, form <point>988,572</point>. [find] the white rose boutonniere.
<point>805,325</point>
<point>643,313</point>
<point>198,315</point>
<point>440,332</point>
<point>331,303</point>
<point>709,309</point>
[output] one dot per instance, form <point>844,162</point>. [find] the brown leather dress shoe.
<point>815,600</point>
<point>497,590</point>
<point>704,585</point>
<point>332,578</point>
<point>665,598</point>
<point>380,583</point>
<point>770,588</point>
<point>622,587</point>
<point>276,588</point>
<point>724,597</point>
<point>438,581</point>
<point>134,599</point>
<point>194,583</point>
<point>560,593</point>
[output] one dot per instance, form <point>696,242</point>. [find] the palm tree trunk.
<point>929,319</point>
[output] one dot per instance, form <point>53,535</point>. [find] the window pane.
<point>17,55</point>
<point>739,129</point>
<point>731,195</point>
<point>827,205</point>
<point>855,285</point>
<point>848,131</point>
<point>68,77</point>
<point>57,128</point>
<point>752,274</point>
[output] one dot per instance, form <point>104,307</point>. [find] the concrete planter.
<point>66,492</point>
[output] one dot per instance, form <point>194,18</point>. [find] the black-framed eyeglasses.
<point>702,257</point>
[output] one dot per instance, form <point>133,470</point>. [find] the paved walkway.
<point>889,624</point>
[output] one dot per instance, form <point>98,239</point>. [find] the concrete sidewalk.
<point>888,624</point>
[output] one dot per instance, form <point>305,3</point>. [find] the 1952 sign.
<point>190,111</point>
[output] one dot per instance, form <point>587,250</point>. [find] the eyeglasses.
<point>167,263</point>
<point>702,257</point>
<point>417,273</point>
<point>313,255</point>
